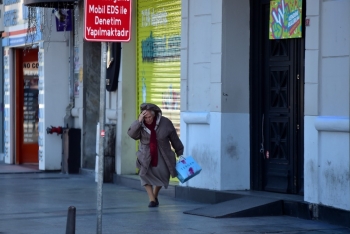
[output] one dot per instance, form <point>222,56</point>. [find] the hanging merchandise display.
<point>158,56</point>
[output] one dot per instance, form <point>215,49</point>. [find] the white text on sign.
<point>107,20</point>
<point>108,9</point>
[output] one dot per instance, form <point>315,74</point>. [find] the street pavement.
<point>38,203</point>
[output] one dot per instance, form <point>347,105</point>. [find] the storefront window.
<point>30,103</point>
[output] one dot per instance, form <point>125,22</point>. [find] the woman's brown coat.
<point>166,133</point>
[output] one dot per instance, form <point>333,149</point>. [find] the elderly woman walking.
<point>155,158</point>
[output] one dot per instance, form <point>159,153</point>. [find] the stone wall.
<point>91,71</point>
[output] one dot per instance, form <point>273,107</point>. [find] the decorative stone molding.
<point>332,123</point>
<point>196,117</point>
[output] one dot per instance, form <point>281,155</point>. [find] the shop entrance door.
<point>277,107</point>
<point>27,108</point>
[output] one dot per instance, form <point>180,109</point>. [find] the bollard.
<point>70,228</point>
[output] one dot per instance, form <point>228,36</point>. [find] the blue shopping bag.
<point>187,168</point>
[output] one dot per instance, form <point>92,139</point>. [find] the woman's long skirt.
<point>157,176</point>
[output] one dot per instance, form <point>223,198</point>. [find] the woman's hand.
<point>142,115</point>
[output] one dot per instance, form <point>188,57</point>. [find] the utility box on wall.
<point>71,150</point>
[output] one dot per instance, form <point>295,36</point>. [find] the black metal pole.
<point>102,132</point>
<point>70,227</point>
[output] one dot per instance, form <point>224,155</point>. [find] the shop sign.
<point>10,2</point>
<point>108,20</point>
<point>285,19</point>
<point>16,41</point>
<point>10,18</point>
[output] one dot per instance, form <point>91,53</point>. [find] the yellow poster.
<point>158,56</point>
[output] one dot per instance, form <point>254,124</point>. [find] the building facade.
<point>258,114</point>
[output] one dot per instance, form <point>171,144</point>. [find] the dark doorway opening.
<point>277,104</point>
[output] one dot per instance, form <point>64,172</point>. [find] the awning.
<point>58,4</point>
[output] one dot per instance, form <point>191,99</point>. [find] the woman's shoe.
<point>157,202</point>
<point>152,204</point>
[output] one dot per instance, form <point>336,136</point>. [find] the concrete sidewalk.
<point>18,169</point>
<point>38,203</point>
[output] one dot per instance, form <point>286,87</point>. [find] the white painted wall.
<point>125,106</point>
<point>56,98</point>
<point>215,91</point>
<point>200,143</point>
<point>334,189</point>
<point>235,137</point>
<point>235,151</point>
<point>326,155</point>
<point>312,51</point>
